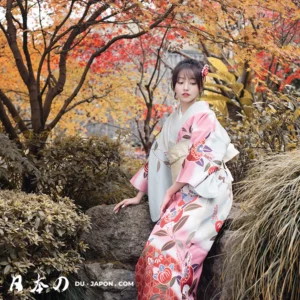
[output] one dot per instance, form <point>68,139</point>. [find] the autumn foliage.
<point>65,64</point>
<point>42,79</point>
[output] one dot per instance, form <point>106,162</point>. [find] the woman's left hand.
<point>169,197</point>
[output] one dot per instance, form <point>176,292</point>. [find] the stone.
<point>118,237</point>
<point>212,283</point>
<point>106,282</point>
<point>235,212</point>
<point>115,243</point>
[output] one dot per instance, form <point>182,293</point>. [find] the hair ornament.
<point>205,70</point>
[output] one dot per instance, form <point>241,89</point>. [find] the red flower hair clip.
<point>205,70</point>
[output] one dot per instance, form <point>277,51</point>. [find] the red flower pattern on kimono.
<point>171,216</point>
<point>218,225</point>
<point>198,151</point>
<point>213,169</point>
<point>163,274</point>
<point>187,278</point>
<point>158,260</point>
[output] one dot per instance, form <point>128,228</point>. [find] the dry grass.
<point>263,259</point>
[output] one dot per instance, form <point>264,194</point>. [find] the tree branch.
<point>14,113</point>
<point>88,100</point>
<point>98,53</point>
<point>7,124</point>
<point>12,41</point>
<point>140,133</point>
<point>158,55</point>
<point>58,88</point>
<point>47,50</point>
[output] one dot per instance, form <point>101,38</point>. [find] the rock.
<point>234,213</point>
<point>115,243</point>
<point>105,282</point>
<point>212,284</point>
<point>118,237</point>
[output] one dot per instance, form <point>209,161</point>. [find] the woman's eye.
<point>193,83</point>
<point>179,82</point>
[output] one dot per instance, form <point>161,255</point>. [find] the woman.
<point>189,191</point>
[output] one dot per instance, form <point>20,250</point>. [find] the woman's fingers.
<point>117,207</point>
<point>161,213</point>
<point>162,209</point>
<point>165,205</point>
<point>122,204</point>
<point>125,203</point>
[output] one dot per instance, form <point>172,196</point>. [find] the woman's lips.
<point>185,94</point>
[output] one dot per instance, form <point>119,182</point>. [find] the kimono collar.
<point>195,107</point>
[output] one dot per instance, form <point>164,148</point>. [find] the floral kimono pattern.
<point>171,263</point>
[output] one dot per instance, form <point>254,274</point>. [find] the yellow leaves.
<point>247,106</point>
<point>217,76</point>
<point>237,88</point>
<point>214,97</point>
<point>218,64</point>
<point>218,101</point>
<point>227,77</point>
<point>230,86</point>
<point>215,86</point>
<point>230,78</point>
<point>246,101</point>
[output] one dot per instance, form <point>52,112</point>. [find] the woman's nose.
<point>186,85</point>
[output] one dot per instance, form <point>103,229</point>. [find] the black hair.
<point>192,65</point>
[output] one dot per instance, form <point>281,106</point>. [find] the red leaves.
<point>158,111</point>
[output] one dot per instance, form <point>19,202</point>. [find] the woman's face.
<point>186,87</point>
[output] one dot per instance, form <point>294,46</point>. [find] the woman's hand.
<point>131,201</point>
<point>169,197</point>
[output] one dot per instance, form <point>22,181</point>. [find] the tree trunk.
<point>30,180</point>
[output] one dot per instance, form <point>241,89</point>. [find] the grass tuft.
<point>264,253</point>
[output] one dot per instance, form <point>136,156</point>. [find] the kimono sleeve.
<point>208,146</point>
<point>140,179</point>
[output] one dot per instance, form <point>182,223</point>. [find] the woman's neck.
<point>185,106</point>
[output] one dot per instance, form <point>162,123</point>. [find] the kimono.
<point>171,262</point>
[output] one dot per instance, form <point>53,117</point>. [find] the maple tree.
<point>137,71</point>
<point>38,39</point>
<point>252,48</point>
<point>257,42</point>
<point>37,60</point>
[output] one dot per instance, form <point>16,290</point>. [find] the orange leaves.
<point>77,67</point>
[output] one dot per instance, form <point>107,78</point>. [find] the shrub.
<point>86,170</point>
<point>272,127</point>
<point>264,256</point>
<point>13,164</point>
<point>38,236</point>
